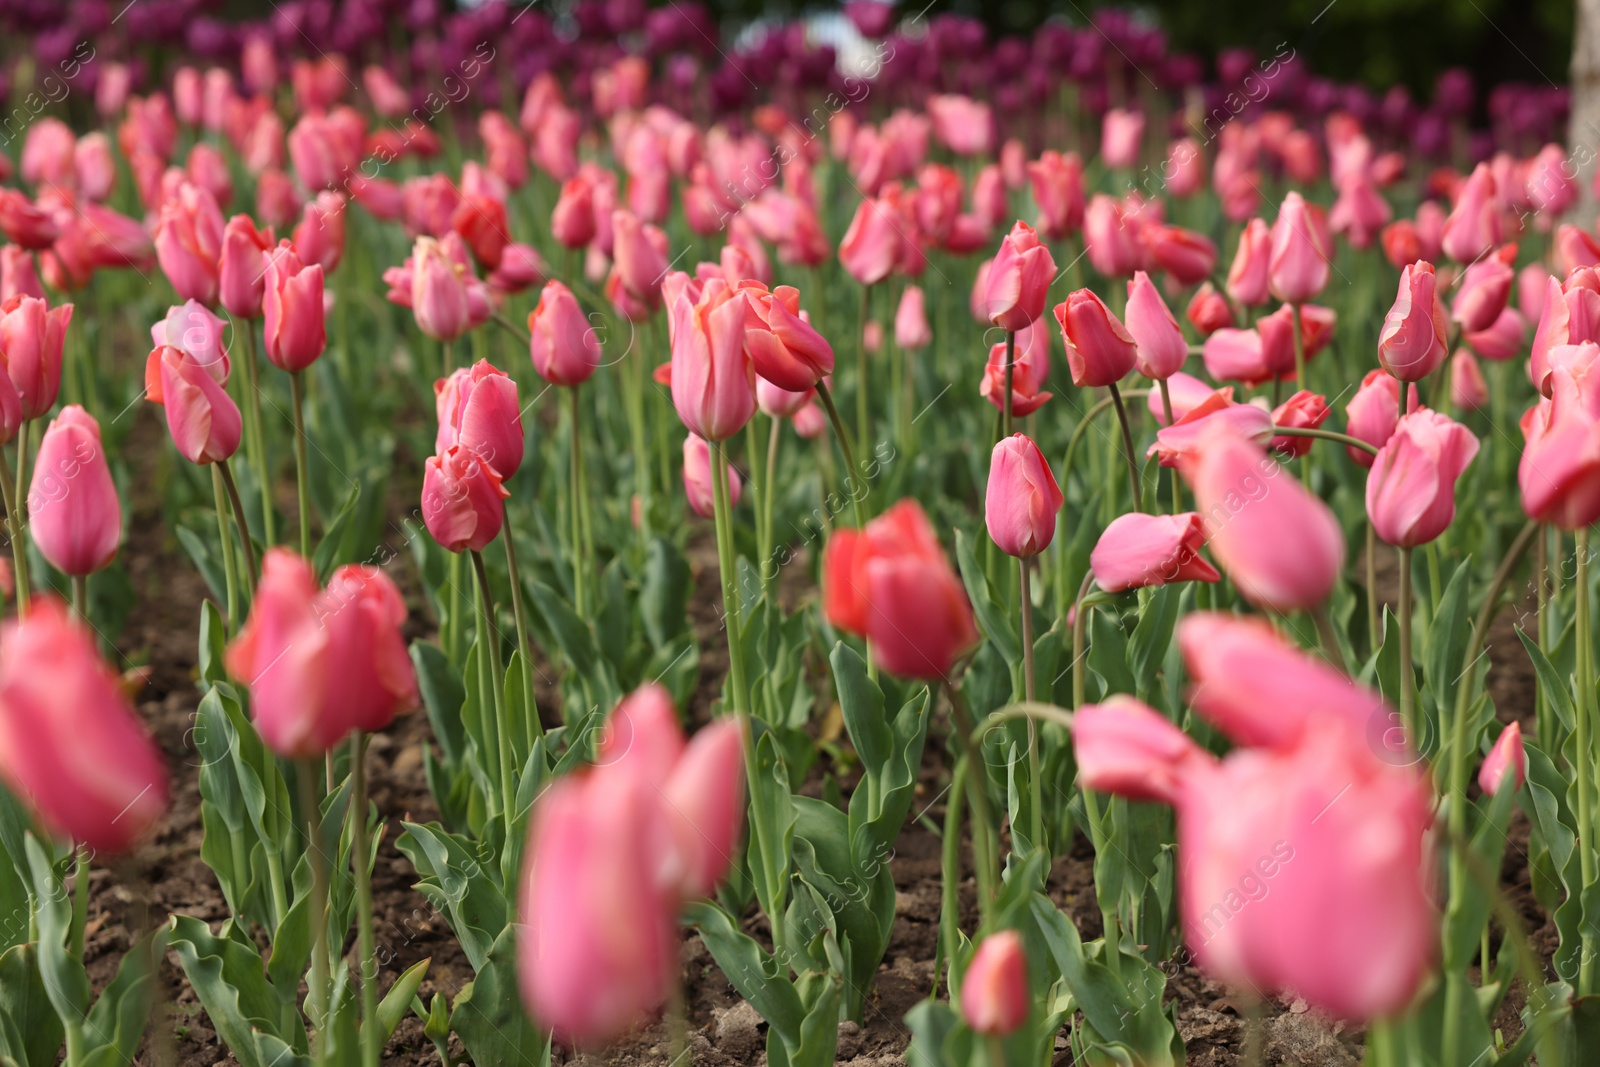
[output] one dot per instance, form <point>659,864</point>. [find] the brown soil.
<point>169,875</point>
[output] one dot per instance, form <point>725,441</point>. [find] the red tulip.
<point>321,663</point>
<point>713,381</point>
<point>73,510</point>
<point>1022,499</point>
<point>781,343</point>
<point>71,745</point>
<point>1100,351</point>
<point>293,309</point>
<point>1281,546</point>
<point>1303,410</point>
<point>31,338</point>
<point>564,347</point>
<point>478,410</point>
<point>994,991</point>
<point>1139,550</point>
<point>1401,245</point>
<point>697,478</point>
<point>1506,759</point>
<point>1411,344</point>
<point>461,500</point>
<point>1019,279</point>
<point>891,584</point>
<point>1301,253</point>
<point>481,221</point>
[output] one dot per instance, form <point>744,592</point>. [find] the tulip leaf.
<point>664,592</point>
<point>395,1003</point>
<point>65,980</point>
<point>772,820</point>
<point>489,1018</point>
<point>205,561</point>
<point>213,644</point>
<point>1108,654</point>
<point>571,633</point>
<point>751,969</point>
<point>819,1030</point>
<point>117,1021</point>
<point>30,1030</point>
<point>442,697</point>
<point>227,976</point>
<point>457,884</point>
<point>861,702</point>
<point>1557,690</point>
<point>938,1036</point>
<point>992,617</point>
<point>1147,649</point>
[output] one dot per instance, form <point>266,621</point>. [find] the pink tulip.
<point>991,206</point>
<point>1401,245</point>
<point>321,663</point>
<point>71,745</point>
<point>1411,487</point>
<point>1215,412</point>
<point>1532,282</point>
<point>1304,410</point>
<point>1506,759</point>
<point>25,223</point>
<point>73,510</point>
<point>697,478</point>
<point>94,167</point>
<point>1139,550</point>
<point>810,422</point>
<point>874,244</point>
<point>319,238</point>
<point>1018,280</point>
<point>293,310</point>
<point>994,991</point>
<point>963,125</point>
<point>1502,340</point>
<point>521,268</point>
<point>461,499</point>
<point>780,341</point>
<point>1100,351</point>
<point>713,381</point>
<point>564,347</point>
<point>1185,392</point>
<point>1208,310</point>
<point>276,202</point>
<point>1247,277</point>
<point>1281,546</point>
<point>1022,499</point>
<point>1301,254</point>
<point>478,410</point>
<point>1552,185</point>
<point>209,171</point>
<point>892,584</point>
<point>911,330</point>
<point>1373,412</point>
<point>1057,182</point>
<point>201,416</point>
<point>1560,468</point>
<point>1130,749</point>
<point>640,251</point>
<point>1482,293</point>
<point>573,220</point>
<point>47,153</point>
<point>780,403</point>
<point>1185,169</point>
<point>1120,135</point>
<point>17,274</point>
<point>389,100</point>
<point>31,338</point>
<point>1473,227</point>
<point>241,275</point>
<point>1110,238</point>
<point>1161,349</point>
<point>1030,371</point>
<point>189,243</point>
<point>1360,211</point>
<point>1186,256</point>
<point>1570,316</point>
<point>440,298</point>
<point>1575,248</point>
<point>1411,344</point>
<point>1468,389</point>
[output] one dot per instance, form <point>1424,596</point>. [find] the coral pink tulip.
<point>1029,372</point>
<point>319,238</point>
<point>1304,410</point>
<point>1208,310</point>
<point>713,380</point>
<point>1411,487</point>
<point>1022,499</point>
<point>31,338</point>
<point>781,342</point>
<point>1057,182</point>
<point>1205,416</point>
<point>1301,255</point>
<point>1139,550</point>
<point>1018,280</point>
<point>73,510</point>
<point>565,349</point>
<point>1483,291</point>
<point>1130,749</point>
<point>293,309</point>
<point>1110,238</point>
<point>201,416</point>
<point>1506,760</point>
<point>874,244</point>
<point>911,330</point>
<point>1100,351</point>
<point>1560,468</point>
<point>994,991</point>
<point>439,297</point>
<point>1186,256</point>
<point>1160,347</point>
<point>1473,227</point>
<point>1469,391</point>
<point>697,478</point>
<point>242,276</point>
<point>189,243</point>
<point>1373,411</point>
<point>1411,344</point>
<point>478,410</point>
<point>462,499</point>
<point>1120,135</point>
<point>1247,277</point>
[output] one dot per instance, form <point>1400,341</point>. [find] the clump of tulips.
<point>796,560</point>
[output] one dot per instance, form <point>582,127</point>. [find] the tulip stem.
<point>1407,715</point>
<point>1091,805</point>
<point>985,850</point>
<point>1372,589</point>
<point>844,447</point>
<point>1127,447</point>
<point>1035,786</point>
<point>1326,435</point>
<point>13,498</point>
<point>244,528</point>
<point>319,987</point>
<point>226,541</point>
<point>1328,637</point>
<point>1011,370</point>
<point>530,706</point>
<point>489,664</point>
<point>997,1050</point>
<point>80,900</point>
<point>774,439</point>
<point>1584,771</point>
<point>758,492</point>
<point>1300,380</point>
<point>950,880</point>
<point>510,327</point>
<point>1166,411</point>
<point>360,858</point>
<point>862,417</point>
<point>578,503</point>
<point>254,436</point>
<point>725,562</point>
<point>1084,423</point>
<point>302,484</point>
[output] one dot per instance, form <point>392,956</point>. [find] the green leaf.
<point>213,644</point>
<point>442,696</point>
<point>232,986</point>
<point>397,1001</point>
<point>1151,637</point>
<point>330,550</point>
<point>205,561</point>
<point>663,592</point>
<point>772,818</point>
<point>117,1022</point>
<point>456,883</point>
<point>488,1014</point>
<point>861,702</point>
<point>751,970</point>
<point>30,1031</point>
<point>571,633</point>
<point>992,618</point>
<point>65,980</point>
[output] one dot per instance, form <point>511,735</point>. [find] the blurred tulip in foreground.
<point>1506,759</point>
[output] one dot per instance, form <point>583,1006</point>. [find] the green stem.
<point>1127,447</point>
<point>1091,804</point>
<point>1584,771</point>
<point>80,901</point>
<point>1328,637</point>
<point>950,881</point>
<point>533,728</point>
<point>774,438</point>
<point>371,1036</point>
<point>244,527</point>
<point>852,475</point>
<point>13,493</point>
<point>1300,379</point>
<point>862,417</point>
<point>489,647</point>
<point>255,436</point>
<point>1035,785</point>
<point>1166,412</point>
<point>1011,369</point>
<point>1407,698</point>
<point>302,484</point>
<point>319,988</point>
<point>578,559</point>
<point>80,597</point>
<point>230,580</point>
<point>757,488</point>
<point>985,850</point>
<point>1372,589</point>
<point>726,565</point>
<point>1326,435</point>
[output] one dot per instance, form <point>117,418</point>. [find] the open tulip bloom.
<point>799,505</point>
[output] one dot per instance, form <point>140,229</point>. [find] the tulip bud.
<point>1139,550</point>
<point>1110,237</point>
<point>1022,499</point>
<point>1030,356</point>
<point>573,222</point>
<point>892,584</point>
<point>18,277</point>
<point>1298,268</point>
<point>1468,389</point>
<point>1401,246</point>
<point>564,347</point>
<point>462,500</point>
<point>1208,310</point>
<point>994,991</point>
<point>478,410</point>
<point>73,510</point>
<point>1186,256</point>
<point>1303,410</point>
<point>1057,182</point>
<point>713,382</point>
<point>780,403</point>
<point>1411,487</point>
<point>439,297</point>
<point>779,338</point>
<point>1247,277</point>
<point>292,305</point>
<point>1412,342</point>
<point>1483,291</point>
<point>1473,227</point>
<point>1100,351</point>
<point>1505,760</point>
<point>1019,279</point>
<point>189,243</point>
<point>71,745</point>
<point>810,422</point>
<point>201,416</point>
<point>31,338</point>
<point>1120,135</point>
<point>873,245</point>
<point>1161,350</point>
<point>242,279</point>
<point>319,238</point>
<point>698,483</point>
<point>911,330</point>
<point>705,796</point>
